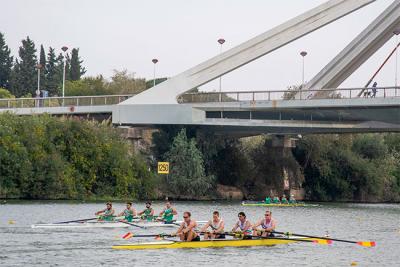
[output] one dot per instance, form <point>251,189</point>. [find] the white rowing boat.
<point>105,224</point>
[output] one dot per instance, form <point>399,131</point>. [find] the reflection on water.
<point>22,245</point>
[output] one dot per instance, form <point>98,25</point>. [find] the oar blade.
<point>127,235</point>
<point>322,241</point>
<point>366,243</point>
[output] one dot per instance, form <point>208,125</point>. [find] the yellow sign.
<point>163,167</point>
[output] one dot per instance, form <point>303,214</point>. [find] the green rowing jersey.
<point>276,200</point>
<point>267,200</point>
<point>107,216</point>
<point>168,216</point>
<point>146,214</point>
<point>128,215</point>
<point>284,200</point>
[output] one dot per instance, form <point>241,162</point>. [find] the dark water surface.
<point>23,246</point>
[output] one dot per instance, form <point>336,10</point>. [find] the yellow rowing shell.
<point>212,243</point>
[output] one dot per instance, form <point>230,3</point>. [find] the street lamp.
<point>303,54</point>
<point>396,32</point>
<point>154,60</point>
<point>38,67</point>
<point>64,48</point>
<point>221,41</point>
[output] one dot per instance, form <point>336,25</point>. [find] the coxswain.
<point>243,224</point>
<point>167,214</point>
<point>217,227</point>
<point>148,213</point>
<point>186,231</point>
<point>107,214</point>
<point>267,224</point>
<point>129,212</point>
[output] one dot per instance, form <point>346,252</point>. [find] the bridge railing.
<point>343,93</point>
<point>67,101</point>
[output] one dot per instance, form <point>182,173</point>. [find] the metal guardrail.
<point>39,102</point>
<point>342,93</point>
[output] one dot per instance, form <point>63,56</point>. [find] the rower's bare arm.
<point>174,211</point>
<point>134,212</point>
<point>204,228</point>
<point>192,225</point>
<point>257,224</point>
<point>100,212</point>
<point>235,227</point>
<point>141,212</point>
<point>221,227</point>
<point>121,214</point>
<point>161,213</point>
<point>152,213</point>
<point>179,229</point>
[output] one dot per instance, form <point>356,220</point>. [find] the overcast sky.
<point>128,34</point>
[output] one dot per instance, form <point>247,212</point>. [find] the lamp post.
<point>303,54</point>
<point>64,49</point>
<point>396,32</point>
<point>38,67</point>
<point>154,60</point>
<point>221,41</point>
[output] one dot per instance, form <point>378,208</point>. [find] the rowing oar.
<point>130,235</point>
<point>81,220</point>
<point>361,243</point>
<point>132,224</point>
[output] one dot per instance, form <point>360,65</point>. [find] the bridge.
<point>320,107</point>
<point>243,112</point>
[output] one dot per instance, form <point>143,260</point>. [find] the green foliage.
<point>75,66</point>
<point>47,158</point>
<point>187,176</point>
<point>150,83</point>
<point>123,82</point>
<point>42,62</point>
<point>4,93</point>
<point>6,62</point>
<point>348,167</point>
<point>53,72</point>
<point>25,77</point>
<point>86,86</point>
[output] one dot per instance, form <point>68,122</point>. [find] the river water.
<point>23,246</point>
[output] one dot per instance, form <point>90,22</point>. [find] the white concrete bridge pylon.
<point>358,51</point>
<point>168,91</point>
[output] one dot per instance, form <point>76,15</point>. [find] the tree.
<point>187,176</point>
<point>53,78</point>
<point>75,66</point>
<point>123,82</point>
<point>42,62</point>
<point>4,93</point>
<point>25,70</point>
<point>6,62</point>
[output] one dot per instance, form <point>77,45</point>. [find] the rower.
<point>167,214</point>
<point>276,200</point>
<point>267,200</point>
<point>148,213</point>
<point>186,231</point>
<point>268,226</point>
<point>107,214</point>
<point>292,200</point>
<point>217,226</point>
<point>243,224</point>
<point>129,212</point>
<point>284,200</point>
